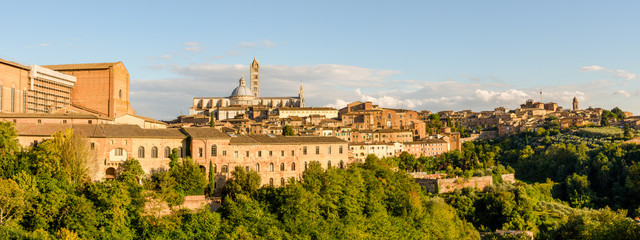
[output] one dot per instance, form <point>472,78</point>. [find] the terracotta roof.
<point>205,132</point>
<point>15,64</point>
<point>279,139</point>
<point>81,66</point>
<point>98,130</point>
<point>427,141</point>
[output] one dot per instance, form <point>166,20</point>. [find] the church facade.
<point>244,99</point>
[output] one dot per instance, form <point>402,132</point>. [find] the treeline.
<point>45,194</point>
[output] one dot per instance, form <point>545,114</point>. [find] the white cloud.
<point>617,73</point>
<point>44,44</point>
<point>336,85</point>
<point>622,93</point>
<point>266,43</point>
<point>192,47</point>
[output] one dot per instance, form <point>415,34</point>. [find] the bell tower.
<point>575,104</point>
<point>255,77</point>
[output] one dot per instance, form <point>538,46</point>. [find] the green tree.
<point>212,121</point>
<point>130,171</point>
<point>10,163</point>
<point>242,182</point>
<point>190,179</point>
<point>287,131</point>
<point>11,200</point>
<point>618,113</point>
<point>212,179</point>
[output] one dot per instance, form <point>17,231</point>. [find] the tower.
<point>575,104</point>
<point>301,96</point>
<point>255,77</point>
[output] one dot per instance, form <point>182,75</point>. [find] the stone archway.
<point>110,173</point>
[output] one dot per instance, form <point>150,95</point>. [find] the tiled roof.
<point>279,139</point>
<point>307,108</point>
<point>98,130</point>
<point>15,64</point>
<point>205,132</point>
<point>81,66</point>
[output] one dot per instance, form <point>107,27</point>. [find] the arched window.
<point>293,166</point>
<point>215,168</point>
<point>257,167</point>
<point>282,167</point>
<point>281,181</point>
<point>341,164</point>
<point>270,167</point>
<point>154,152</point>
<point>271,182</point>
<point>329,164</point>
<point>141,152</point>
<point>214,150</point>
<point>225,169</point>
<point>167,152</point>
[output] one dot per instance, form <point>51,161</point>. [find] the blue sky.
<point>432,55</point>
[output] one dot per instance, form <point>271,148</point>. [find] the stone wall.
<point>448,185</point>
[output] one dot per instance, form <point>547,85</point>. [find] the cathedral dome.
<point>241,90</point>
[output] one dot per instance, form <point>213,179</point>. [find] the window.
<point>341,164</point>
<point>293,166</point>
<point>259,153</point>
<point>39,121</point>
<point>141,152</point>
<point>167,152</point>
<point>64,121</point>
<point>282,153</point>
<point>281,181</point>
<point>293,152</point>
<point>90,121</point>
<point>317,150</point>
<point>214,150</point>
<point>224,152</point>
<point>329,164</point>
<point>120,93</point>
<point>329,150</point>
<point>215,168</point>
<point>154,152</point>
<point>340,150</point>
<point>225,169</point>
<point>247,153</point>
<point>257,167</point>
<point>181,152</point>
<point>305,166</point>
<point>282,167</point>
<point>270,167</point>
<point>93,146</point>
<point>119,151</point>
<point>199,152</point>
<point>235,153</point>
<point>270,153</point>
<point>24,102</point>
<point>304,150</point>
<point>271,182</point>
<point>246,168</point>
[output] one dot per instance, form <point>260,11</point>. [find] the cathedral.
<point>244,100</point>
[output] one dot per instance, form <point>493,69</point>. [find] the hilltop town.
<point>275,136</point>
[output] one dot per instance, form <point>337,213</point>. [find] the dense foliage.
<point>44,195</point>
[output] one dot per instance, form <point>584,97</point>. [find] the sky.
<point>421,55</point>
